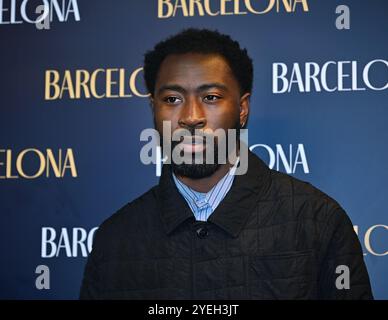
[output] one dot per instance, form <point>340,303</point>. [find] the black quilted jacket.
<point>272,237</point>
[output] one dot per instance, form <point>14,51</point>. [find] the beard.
<point>195,170</point>
<point>201,170</point>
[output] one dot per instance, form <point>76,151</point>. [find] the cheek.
<point>223,118</point>
<point>163,115</point>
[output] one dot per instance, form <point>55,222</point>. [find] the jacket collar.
<point>232,213</point>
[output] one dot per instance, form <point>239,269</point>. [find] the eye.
<point>211,98</point>
<point>172,100</point>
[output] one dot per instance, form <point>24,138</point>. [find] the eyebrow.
<point>203,87</point>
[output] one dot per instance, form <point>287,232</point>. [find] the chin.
<point>195,171</point>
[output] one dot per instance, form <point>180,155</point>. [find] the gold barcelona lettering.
<point>101,83</point>
<point>190,8</point>
<point>49,162</point>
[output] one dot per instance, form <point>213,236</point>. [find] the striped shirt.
<point>203,204</point>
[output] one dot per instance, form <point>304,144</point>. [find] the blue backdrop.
<point>73,106</point>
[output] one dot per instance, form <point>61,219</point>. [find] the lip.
<point>197,144</point>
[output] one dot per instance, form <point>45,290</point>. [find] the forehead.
<point>194,69</point>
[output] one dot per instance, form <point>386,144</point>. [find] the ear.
<point>244,108</point>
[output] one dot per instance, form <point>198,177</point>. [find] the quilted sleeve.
<point>91,279</point>
<point>341,255</point>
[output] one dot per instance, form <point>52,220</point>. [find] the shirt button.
<point>202,232</point>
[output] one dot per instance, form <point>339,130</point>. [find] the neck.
<point>204,185</point>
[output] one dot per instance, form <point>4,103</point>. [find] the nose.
<point>192,115</point>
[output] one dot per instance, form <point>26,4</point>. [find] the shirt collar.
<point>232,213</point>
<point>213,197</point>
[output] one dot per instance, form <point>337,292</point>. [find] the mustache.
<point>194,135</point>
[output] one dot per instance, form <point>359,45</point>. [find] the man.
<point>205,233</point>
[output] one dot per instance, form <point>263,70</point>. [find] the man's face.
<point>198,91</point>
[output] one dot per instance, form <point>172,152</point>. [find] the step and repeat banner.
<point>73,105</point>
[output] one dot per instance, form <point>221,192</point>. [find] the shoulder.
<point>129,217</point>
<point>306,199</point>
<point>284,185</point>
<point>295,200</point>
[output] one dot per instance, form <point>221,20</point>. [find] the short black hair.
<point>203,41</point>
